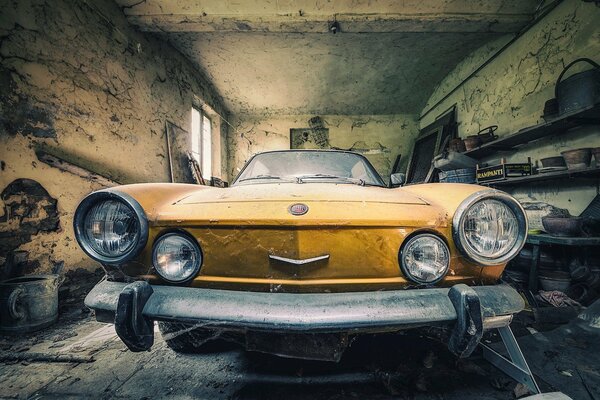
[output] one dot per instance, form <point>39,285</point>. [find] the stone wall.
<point>511,91</point>
<point>78,82</point>
<point>379,137</point>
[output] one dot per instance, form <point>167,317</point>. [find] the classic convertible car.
<point>305,251</point>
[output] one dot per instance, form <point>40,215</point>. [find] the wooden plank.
<point>74,169</point>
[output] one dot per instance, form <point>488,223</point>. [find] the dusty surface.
<point>381,367</point>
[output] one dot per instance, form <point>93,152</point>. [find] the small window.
<point>201,141</point>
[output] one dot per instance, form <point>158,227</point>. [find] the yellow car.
<point>305,251</point>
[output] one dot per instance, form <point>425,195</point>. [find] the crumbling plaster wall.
<point>77,79</point>
<point>379,137</point>
<point>511,91</point>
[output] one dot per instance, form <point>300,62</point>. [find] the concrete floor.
<point>376,368</point>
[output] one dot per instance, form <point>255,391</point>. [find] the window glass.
<point>202,142</point>
<point>309,166</point>
<point>206,147</point>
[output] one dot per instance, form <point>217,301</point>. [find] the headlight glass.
<point>490,229</point>
<point>425,258</point>
<point>176,257</point>
<point>111,228</point>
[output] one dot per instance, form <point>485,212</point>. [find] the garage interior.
<point>95,94</point>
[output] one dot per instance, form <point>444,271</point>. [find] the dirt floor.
<point>81,358</point>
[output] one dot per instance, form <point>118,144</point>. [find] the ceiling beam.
<point>313,16</point>
<point>350,23</point>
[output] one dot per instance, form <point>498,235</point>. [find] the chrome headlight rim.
<point>408,241</point>
<point>465,206</point>
<point>194,242</point>
<point>105,195</point>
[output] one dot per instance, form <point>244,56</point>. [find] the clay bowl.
<point>557,161</point>
<point>596,154</point>
<point>472,142</point>
<point>554,280</point>
<point>457,145</point>
<point>578,158</point>
<point>564,227</point>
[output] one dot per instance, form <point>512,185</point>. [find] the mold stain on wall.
<point>76,78</point>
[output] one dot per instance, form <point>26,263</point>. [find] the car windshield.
<point>309,166</point>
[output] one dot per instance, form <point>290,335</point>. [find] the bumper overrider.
<point>468,311</point>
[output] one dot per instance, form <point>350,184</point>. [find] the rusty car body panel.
<point>362,228</point>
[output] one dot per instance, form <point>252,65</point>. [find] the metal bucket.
<point>28,303</point>
<point>579,90</point>
<point>462,175</point>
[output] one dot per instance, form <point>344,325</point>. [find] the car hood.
<point>293,192</point>
<point>180,205</point>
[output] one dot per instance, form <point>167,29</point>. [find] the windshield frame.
<point>368,165</point>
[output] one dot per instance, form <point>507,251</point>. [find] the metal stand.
<point>516,367</point>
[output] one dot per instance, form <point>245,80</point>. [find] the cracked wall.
<point>379,137</point>
<point>511,91</point>
<point>77,80</point>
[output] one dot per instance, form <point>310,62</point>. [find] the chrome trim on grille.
<point>298,262</point>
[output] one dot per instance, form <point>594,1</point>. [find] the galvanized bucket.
<point>28,303</point>
<point>461,175</point>
<point>580,90</point>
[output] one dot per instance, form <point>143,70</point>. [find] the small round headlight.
<point>425,258</point>
<point>176,257</point>
<point>490,227</point>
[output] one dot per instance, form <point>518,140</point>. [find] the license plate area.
<point>308,346</point>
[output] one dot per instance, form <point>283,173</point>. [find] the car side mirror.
<point>397,179</point>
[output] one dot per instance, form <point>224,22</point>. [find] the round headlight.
<point>490,227</point>
<point>110,226</point>
<point>425,258</point>
<point>176,257</point>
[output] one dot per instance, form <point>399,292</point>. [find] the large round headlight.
<point>110,226</point>
<point>176,257</point>
<point>490,227</point>
<point>425,258</point>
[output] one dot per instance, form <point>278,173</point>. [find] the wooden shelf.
<point>593,172</point>
<point>565,241</point>
<point>587,116</point>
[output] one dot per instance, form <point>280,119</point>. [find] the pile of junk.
<point>563,252</point>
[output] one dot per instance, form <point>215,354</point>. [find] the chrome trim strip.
<point>298,262</point>
<point>499,321</point>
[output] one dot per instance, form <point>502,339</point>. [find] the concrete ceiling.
<point>279,57</point>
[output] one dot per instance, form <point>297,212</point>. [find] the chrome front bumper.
<point>306,312</point>
<point>134,306</point>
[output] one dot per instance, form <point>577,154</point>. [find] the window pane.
<point>206,147</point>
<point>196,139</point>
